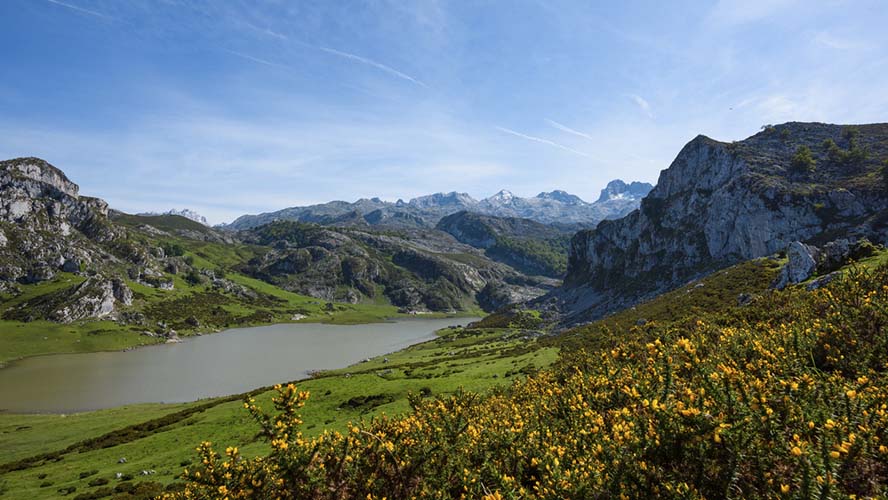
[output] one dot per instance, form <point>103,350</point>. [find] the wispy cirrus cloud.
<point>80,9</point>
<point>257,59</point>
<point>642,103</point>
<point>377,65</point>
<point>268,32</point>
<point>339,53</point>
<point>565,128</point>
<point>831,41</point>
<point>541,141</point>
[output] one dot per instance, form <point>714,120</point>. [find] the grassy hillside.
<point>498,350</point>
<point>783,397</point>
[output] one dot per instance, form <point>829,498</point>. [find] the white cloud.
<point>256,59</point>
<point>80,9</point>
<point>831,41</point>
<point>541,141</point>
<point>377,65</point>
<point>642,104</point>
<point>565,128</point>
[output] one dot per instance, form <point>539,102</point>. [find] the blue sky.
<point>232,107</point>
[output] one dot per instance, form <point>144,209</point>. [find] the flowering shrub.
<point>785,398</point>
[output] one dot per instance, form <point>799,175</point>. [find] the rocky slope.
<point>616,200</point>
<point>720,203</point>
<point>529,246</point>
<point>45,225</point>
<point>415,270</point>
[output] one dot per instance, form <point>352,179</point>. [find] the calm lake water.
<point>223,363</point>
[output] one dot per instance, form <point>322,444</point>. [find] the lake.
<point>228,362</point>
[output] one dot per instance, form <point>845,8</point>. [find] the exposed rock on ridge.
<point>720,203</point>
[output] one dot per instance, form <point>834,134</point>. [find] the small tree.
<point>803,160</point>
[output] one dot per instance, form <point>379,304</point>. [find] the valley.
<point>458,313</point>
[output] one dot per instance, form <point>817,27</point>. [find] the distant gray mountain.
<point>555,207</point>
<point>185,212</point>
<point>618,189</point>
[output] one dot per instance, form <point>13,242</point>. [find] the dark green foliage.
<point>366,403</point>
<point>546,257</point>
<point>173,249</point>
<point>884,173</point>
<point>854,155</point>
<point>803,160</point>
<point>99,493</point>
<point>194,278</point>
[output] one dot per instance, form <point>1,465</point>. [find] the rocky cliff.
<point>45,224</point>
<point>720,203</point>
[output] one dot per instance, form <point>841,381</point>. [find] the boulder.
<point>802,264</point>
<point>822,281</point>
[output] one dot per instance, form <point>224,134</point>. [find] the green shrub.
<point>803,160</point>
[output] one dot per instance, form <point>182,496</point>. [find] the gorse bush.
<point>784,398</point>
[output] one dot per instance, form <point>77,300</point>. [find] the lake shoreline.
<point>329,347</point>
<point>7,363</point>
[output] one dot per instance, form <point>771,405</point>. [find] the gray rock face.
<point>45,222</point>
<point>801,265</point>
<point>805,261</point>
<point>96,297</point>
<point>719,204</point>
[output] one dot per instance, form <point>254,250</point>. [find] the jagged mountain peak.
<point>617,189</point>
<point>503,196</point>
<point>561,196</point>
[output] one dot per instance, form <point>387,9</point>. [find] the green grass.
<point>716,292</point>
<point>472,359</point>
<point>20,340</point>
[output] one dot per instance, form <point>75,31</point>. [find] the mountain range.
<point>555,207</point>
<point>813,191</point>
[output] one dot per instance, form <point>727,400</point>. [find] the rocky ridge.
<point>721,203</point>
